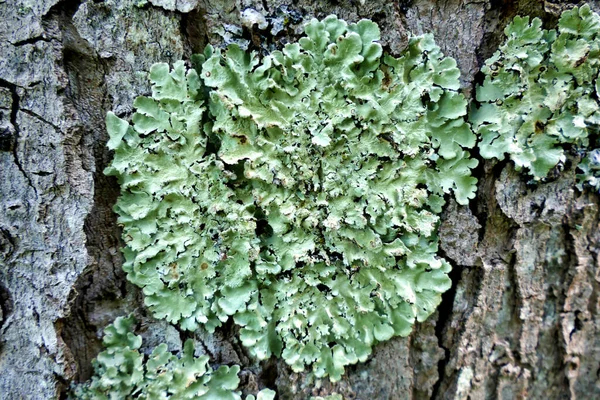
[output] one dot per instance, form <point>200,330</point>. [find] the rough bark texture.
<point>522,319</point>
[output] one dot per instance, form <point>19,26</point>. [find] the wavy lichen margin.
<point>121,372</point>
<point>301,198</point>
<point>540,95</point>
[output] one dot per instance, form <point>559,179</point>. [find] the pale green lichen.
<point>540,93</point>
<point>304,202</point>
<point>590,171</point>
<point>123,373</point>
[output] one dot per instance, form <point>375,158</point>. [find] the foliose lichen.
<point>301,197</point>
<point>540,94</point>
<point>590,171</point>
<point>122,372</point>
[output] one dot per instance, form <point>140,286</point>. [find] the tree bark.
<point>522,319</point>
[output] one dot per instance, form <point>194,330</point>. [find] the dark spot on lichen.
<point>243,139</point>
<point>580,61</point>
<point>387,79</point>
<point>539,127</point>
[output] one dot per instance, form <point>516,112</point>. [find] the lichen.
<point>303,202</point>
<point>123,373</point>
<point>590,171</point>
<point>540,93</point>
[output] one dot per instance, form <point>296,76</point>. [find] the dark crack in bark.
<point>14,122</point>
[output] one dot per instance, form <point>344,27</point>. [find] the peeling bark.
<point>522,317</point>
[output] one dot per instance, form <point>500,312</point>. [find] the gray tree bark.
<point>522,319</point>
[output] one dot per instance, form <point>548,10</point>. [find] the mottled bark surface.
<point>521,320</point>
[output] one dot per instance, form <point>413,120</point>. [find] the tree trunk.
<point>521,320</point>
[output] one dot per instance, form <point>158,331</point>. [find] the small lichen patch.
<point>122,372</point>
<point>540,94</point>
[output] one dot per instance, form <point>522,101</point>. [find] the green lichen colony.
<point>122,372</point>
<point>540,95</point>
<point>298,194</point>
